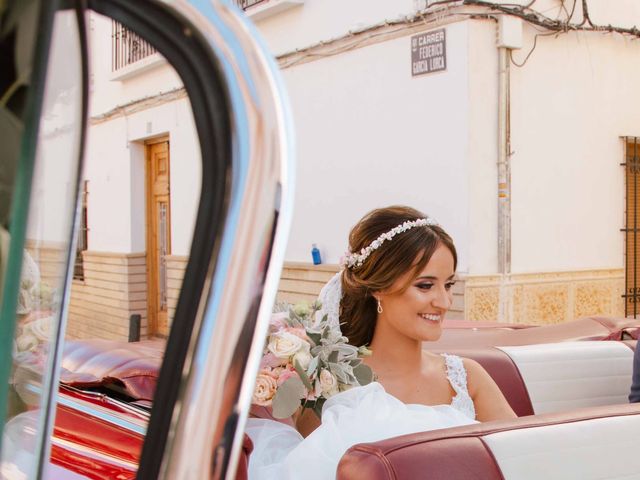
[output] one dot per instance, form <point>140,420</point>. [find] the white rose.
<point>328,383</point>
<point>285,344</point>
<point>303,358</point>
<point>26,342</point>
<point>40,328</point>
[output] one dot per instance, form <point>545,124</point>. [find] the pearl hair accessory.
<point>354,260</point>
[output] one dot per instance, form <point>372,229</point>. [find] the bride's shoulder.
<point>476,375</point>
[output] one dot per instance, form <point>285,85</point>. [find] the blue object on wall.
<point>315,254</point>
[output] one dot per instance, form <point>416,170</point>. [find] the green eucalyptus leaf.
<point>313,366</point>
<point>303,375</point>
<point>363,374</point>
<point>315,337</point>
<point>287,398</point>
<point>339,371</point>
<point>333,356</point>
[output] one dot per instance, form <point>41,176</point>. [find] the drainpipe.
<point>509,37</point>
<point>504,185</point>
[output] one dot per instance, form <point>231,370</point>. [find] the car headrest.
<point>131,367</point>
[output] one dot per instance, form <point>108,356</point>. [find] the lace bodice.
<point>457,376</point>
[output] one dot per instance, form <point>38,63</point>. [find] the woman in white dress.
<point>392,295</point>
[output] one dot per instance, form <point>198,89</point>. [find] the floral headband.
<point>354,260</point>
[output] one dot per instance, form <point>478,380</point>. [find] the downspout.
<point>504,186</point>
<point>509,37</point>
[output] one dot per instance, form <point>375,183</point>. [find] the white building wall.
<point>115,168</point>
<point>110,93</point>
<point>575,93</point>
<point>369,135</point>
<point>322,20</point>
<point>482,172</point>
<point>570,103</point>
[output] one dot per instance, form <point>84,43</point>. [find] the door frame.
<point>153,326</point>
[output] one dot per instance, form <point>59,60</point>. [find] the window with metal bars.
<point>78,268</point>
<point>632,227</point>
<point>127,47</point>
<point>244,4</point>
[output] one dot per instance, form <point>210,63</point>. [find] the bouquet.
<point>306,361</point>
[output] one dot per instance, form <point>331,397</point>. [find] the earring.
<point>379,306</point>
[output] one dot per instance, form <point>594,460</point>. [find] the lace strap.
<point>456,373</point>
<point>457,376</point>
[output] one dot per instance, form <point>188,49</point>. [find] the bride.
<point>392,295</point>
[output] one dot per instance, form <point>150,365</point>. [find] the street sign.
<point>428,52</point>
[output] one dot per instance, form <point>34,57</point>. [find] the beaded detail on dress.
<point>457,376</point>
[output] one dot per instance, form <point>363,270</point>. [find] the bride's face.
<point>418,310</point>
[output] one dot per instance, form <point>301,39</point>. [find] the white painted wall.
<point>115,170</point>
<point>108,93</point>
<point>369,135</point>
<point>571,102</point>
<point>321,20</point>
<point>55,171</point>
<point>482,173</point>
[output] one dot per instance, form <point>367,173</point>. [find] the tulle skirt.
<point>362,414</point>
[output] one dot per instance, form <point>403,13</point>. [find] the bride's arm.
<point>489,401</point>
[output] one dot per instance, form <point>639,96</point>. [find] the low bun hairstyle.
<point>385,265</point>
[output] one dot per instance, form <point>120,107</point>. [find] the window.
<point>632,224</point>
<point>127,47</point>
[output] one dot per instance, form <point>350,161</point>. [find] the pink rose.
<point>270,360</point>
<point>278,321</point>
<point>298,332</point>
<point>286,375</point>
<point>265,389</point>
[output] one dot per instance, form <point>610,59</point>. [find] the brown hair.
<point>384,266</point>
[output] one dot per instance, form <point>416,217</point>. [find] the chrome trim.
<point>97,411</point>
<point>89,452</point>
<point>224,354</point>
<point>104,414</point>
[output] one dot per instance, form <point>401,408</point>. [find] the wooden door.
<point>158,235</point>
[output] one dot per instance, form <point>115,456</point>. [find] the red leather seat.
<point>483,451</point>
<point>587,328</point>
<point>132,367</point>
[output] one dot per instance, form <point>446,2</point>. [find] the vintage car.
<point>176,408</point>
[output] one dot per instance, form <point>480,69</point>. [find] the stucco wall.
<point>369,135</point>
<point>115,170</point>
<point>570,104</point>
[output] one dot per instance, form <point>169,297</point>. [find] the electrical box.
<point>509,32</point>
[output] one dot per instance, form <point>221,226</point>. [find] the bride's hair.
<point>384,265</point>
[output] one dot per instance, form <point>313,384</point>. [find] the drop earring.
<point>379,306</point>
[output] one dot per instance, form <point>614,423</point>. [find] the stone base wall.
<point>176,266</point>
<point>114,288</point>
<point>544,298</point>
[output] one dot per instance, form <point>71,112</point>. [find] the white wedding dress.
<point>362,414</point>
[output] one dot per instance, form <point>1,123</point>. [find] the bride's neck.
<point>393,352</point>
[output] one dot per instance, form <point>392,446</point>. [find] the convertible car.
<point>176,407</point>
<point>570,391</point>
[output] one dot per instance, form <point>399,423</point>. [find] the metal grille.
<point>244,4</point>
<point>632,180</point>
<point>127,47</point>
<point>78,268</point>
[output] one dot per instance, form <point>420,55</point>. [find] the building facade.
<point>514,126</point>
